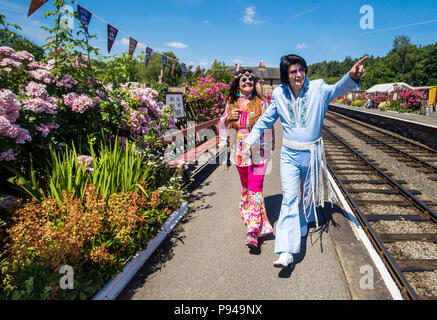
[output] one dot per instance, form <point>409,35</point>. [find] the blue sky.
<point>246,32</point>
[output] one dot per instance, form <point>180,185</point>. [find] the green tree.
<point>18,43</point>
<point>403,55</point>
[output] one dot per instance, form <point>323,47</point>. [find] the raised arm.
<point>350,81</point>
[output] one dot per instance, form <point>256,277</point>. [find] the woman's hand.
<point>234,115</point>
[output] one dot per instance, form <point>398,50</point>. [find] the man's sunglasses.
<point>244,79</point>
<point>294,72</point>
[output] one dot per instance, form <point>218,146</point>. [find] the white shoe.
<point>284,260</point>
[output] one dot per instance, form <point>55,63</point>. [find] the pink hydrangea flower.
<point>9,105</point>
<point>6,51</point>
<point>45,129</point>
<point>24,56</point>
<point>10,62</point>
<point>7,156</point>
<point>13,131</point>
<point>42,75</point>
<point>34,89</point>
<point>48,105</point>
<point>67,81</point>
<point>78,103</point>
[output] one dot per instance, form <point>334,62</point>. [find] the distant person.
<point>244,107</point>
<point>368,104</point>
<point>301,105</point>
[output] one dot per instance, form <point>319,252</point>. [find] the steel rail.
<point>393,268</point>
<point>413,158</point>
<point>389,133</point>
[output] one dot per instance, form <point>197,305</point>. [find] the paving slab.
<point>205,256</point>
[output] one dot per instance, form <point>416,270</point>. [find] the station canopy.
<point>389,87</point>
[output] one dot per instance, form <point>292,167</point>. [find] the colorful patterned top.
<point>242,155</point>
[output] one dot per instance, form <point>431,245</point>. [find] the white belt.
<point>301,145</point>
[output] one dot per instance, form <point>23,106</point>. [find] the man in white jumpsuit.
<point>301,105</point>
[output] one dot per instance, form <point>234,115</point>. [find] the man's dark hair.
<point>287,61</point>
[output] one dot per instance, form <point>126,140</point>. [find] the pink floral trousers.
<point>252,207</point>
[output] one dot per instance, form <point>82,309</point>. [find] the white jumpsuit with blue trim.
<point>302,163</point>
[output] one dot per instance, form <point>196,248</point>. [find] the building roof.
<point>268,73</point>
<point>388,87</point>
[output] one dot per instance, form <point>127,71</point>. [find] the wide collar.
<point>289,94</point>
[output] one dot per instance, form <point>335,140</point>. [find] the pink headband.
<point>247,74</point>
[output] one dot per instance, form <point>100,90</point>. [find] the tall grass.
<point>115,169</point>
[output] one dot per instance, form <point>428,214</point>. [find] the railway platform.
<point>205,258</point>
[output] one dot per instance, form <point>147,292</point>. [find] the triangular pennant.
<point>35,5</point>
<point>112,34</point>
<point>148,53</point>
<point>164,61</point>
<point>184,70</point>
<point>132,46</point>
<point>189,68</point>
<point>84,17</point>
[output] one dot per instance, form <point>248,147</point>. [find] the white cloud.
<point>203,64</point>
<point>206,21</point>
<point>176,45</point>
<point>237,61</point>
<point>248,18</point>
<point>301,46</point>
<point>124,42</point>
<point>141,45</point>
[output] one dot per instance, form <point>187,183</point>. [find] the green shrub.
<point>357,103</point>
<point>384,106</point>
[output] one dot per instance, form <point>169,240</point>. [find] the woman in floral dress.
<point>244,107</point>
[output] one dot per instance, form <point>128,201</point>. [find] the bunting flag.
<point>184,70</point>
<point>173,66</point>
<point>35,5</point>
<point>148,53</point>
<point>132,46</point>
<point>84,17</point>
<point>112,34</point>
<point>164,61</point>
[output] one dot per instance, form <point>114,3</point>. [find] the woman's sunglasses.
<point>294,72</point>
<point>244,79</point>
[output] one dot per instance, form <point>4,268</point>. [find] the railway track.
<point>402,228</point>
<point>412,154</point>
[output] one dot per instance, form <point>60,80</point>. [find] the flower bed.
<point>91,209</point>
<point>406,100</point>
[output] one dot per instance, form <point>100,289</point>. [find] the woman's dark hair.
<point>287,61</point>
<point>235,86</point>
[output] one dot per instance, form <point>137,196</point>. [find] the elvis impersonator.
<point>301,105</point>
